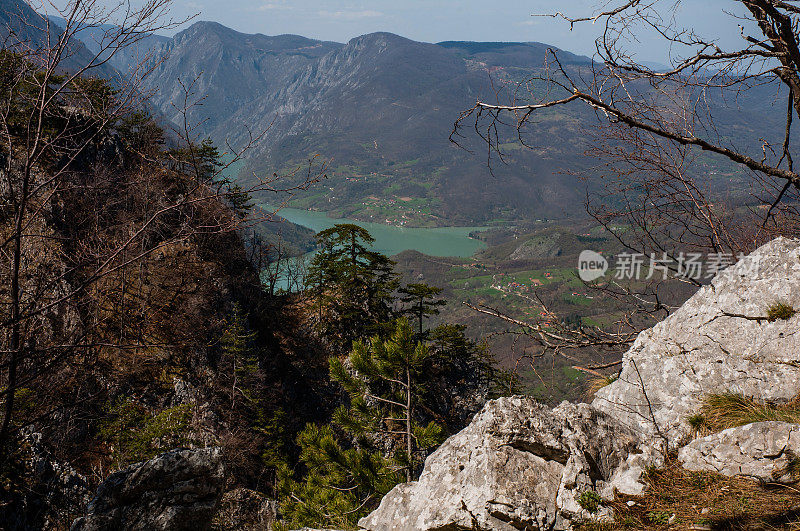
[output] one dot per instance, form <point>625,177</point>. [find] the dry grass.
<point>679,499</point>
<point>728,410</point>
<point>597,383</point>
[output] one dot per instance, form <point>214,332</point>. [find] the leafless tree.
<point>57,129</point>
<point>659,134</point>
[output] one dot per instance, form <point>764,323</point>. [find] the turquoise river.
<point>390,239</point>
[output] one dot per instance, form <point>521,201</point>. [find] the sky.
<point>439,20</point>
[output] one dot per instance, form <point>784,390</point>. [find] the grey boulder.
<point>719,341</point>
<point>767,451</point>
<point>518,465</point>
<point>177,490</point>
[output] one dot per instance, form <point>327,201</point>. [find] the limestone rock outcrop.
<point>177,490</point>
<point>767,451</point>
<point>54,494</point>
<point>246,509</point>
<point>518,465</point>
<point>719,341</point>
<point>521,465</point>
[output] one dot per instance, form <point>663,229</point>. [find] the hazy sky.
<point>438,20</point>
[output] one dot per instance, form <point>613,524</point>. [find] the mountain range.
<point>379,111</point>
<point>21,26</point>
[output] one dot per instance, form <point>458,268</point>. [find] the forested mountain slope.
<point>20,24</point>
<point>380,108</point>
<point>379,111</point>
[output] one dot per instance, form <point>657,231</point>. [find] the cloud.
<point>350,15</point>
<point>272,6</point>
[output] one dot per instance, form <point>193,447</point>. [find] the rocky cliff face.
<point>230,70</point>
<point>521,465</point>
<point>719,341</point>
<point>55,493</point>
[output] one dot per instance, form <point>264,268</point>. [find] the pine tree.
<point>208,159</point>
<point>201,160</point>
<point>239,200</point>
<point>344,472</point>
<point>341,483</point>
<point>423,302</point>
<point>253,419</point>
<point>394,386</point>
<point>385,380</point>
<point>140,134</point>
<point>353,285</point>
<point>239,358</point>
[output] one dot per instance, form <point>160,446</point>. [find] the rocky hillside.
<point>143,310</point>
<point>655,448</point>
<point>717,380</point>
<point>94,36</point>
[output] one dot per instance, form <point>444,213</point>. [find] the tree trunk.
<point>421,312</point>
<point>15,343</point>
<point>408,425</point>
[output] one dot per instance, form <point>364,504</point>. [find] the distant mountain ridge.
<point>125,58</point>
<point>232,69</point>
<point>21,26</point>
<point>522,54</point>
<point>380,108</point>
